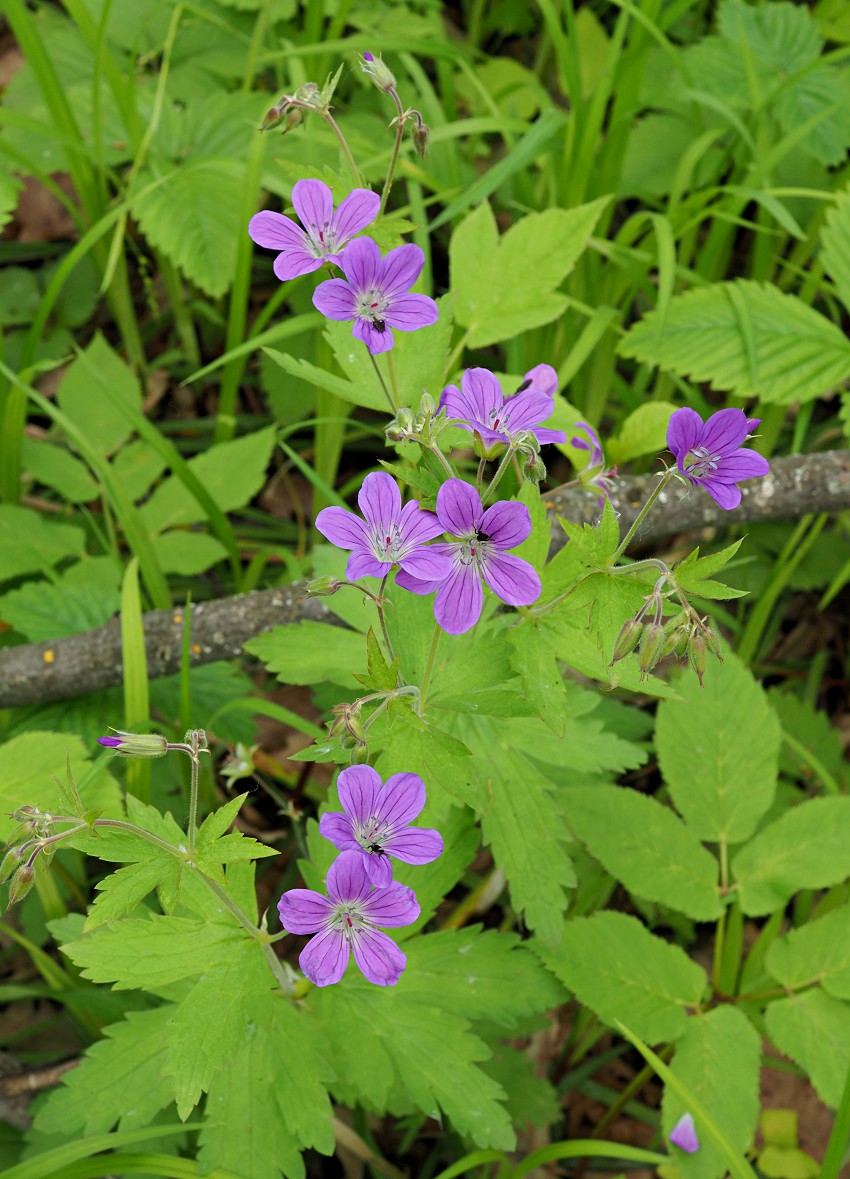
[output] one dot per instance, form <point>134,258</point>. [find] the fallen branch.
<point>88,662</point>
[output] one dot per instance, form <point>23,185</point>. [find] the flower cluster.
<point>480,406</point>
<point>710,454</point>
<point>372,827</point>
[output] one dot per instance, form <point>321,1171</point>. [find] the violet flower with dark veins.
<point>684,1135</point>
<point>479,406</point>
<point>594,474</point>
<point>325,232</point>
<point>375,822</point>
<point>477,555</point>
<point>389,535</point>
<point>344,922</point>
<point>375,293</point>
<point>710,453</point>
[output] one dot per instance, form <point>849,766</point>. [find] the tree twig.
<point>39,672</point>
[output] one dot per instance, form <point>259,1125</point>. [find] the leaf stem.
<point>642,514</point>
<point>500,470</point>
<point>346,150</point>
<point>379,602</point>
<point>399,133</point>
<point>393,380</point>
<point>392,404</point>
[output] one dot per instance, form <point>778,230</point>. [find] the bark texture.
<point>39,672</point>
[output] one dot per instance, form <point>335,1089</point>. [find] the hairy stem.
<point>643,513</point>
<point>399,133</point>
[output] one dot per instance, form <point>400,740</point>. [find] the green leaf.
<point>643,432</point>
<point>19,296</point>
<point>479,975</point>
<point>818,952</point>
<point>805,848</point>
<point>812,728</point>
<point>719,1060</point>
<point>121,891</point>
<point>310,653</point>
<point>694,568</point>
<point>406,1038</point>
<point>83,399</point>
<point>187,553</point>
<point>382,676</point>
<point>534,661</point>
<point>621,971</point>
<point>647,848</point>
<point>597,543</point>
<point>796,354</point>
<point>58,468</point>
<point>137,466</point>
<point>835,245</point>
<point>270,1103</point>
<point>523,828</point>
<point>322,379</point>
<point>232,472</point>
<point>814,1030</point>
<point>32,762</point>
<point>214,848</point>
<point>44,610</point>
<point>120,1079</point>
<point>152,952</point>
<point>718,748</point>
<point>505,286</point>
<point>29,543</point>
<point>440,759</point>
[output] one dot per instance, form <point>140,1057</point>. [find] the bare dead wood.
<point>39,672</point>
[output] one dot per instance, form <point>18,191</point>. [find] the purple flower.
<point>326,231</point>
<point>540,379</point>
<point>375,295</point>
<point>345,920</point>
<point>594,474</point>
<point>479,406</point>
<point>710,453</point>
<point>478,553</point>
<point>373,825</point>
<point>390,535</point>
<point>684,1133</point>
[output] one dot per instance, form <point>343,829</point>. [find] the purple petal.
<point>276,232</point>
<point>507,524</point>
<point>595,446</point>
<point>684,1135</point>
<point>375,340</point>
<point>724,431</point>
<point>512,579</point>
<point>526,410</point>
<point>683,429</point>
<point>363,563</point>
<point>401,268</point>
<point>416,525</point>
<point>303,911</point>
<point>414,586</point>
<point>324,959</point>
<point>359,209</point>
<point>357,787</point>
<point>339,829</point>
<point>377,955</point>
<point>459,601</point>
<point>459,507</point>
<point>109,742</point>
<point>416,845</point>
<point>379,500</point>
<point>544,436</point>
<point>481,394</point>
<point>342,528</point>
<point>294,263</point>
<point>314,205</point>
<point>347,880</point>
<point>752,423</point>
<point>335,299</point>
<point>379,869</point>
<point>543,379</point>
<point>728,495</point>
<point>392,907</point>
<point>742,464</point>
<point>401,800</point>
<point>425,565</point>
<point>407,313</point>
<point>362,263</point>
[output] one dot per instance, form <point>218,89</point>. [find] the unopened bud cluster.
<point>686,637</point>
<point>309,97</point>
<point>32,837</point>
<point>424,426</point>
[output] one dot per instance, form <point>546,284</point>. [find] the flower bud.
<point>421,138</point>
<point>427,405</point>
<point>712,642</point>
<point>360,754</point>
<point>22,882</point>
<point>534,469</point>
<point>11,862</point>
<point>626,640</point>
<point>136,744</point>
<point>374,69</point>
<point>651,647</point>
<point>323,587</point>
<point>697,656</point>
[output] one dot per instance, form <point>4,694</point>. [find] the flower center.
<point>348,919</point>
<point>372,305</point>
<point>387,543</point>
<point>700,462</point>
<point>499,418</point>
<point>322,241</point>
<point>474,550</point>
<point>372,834</point>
